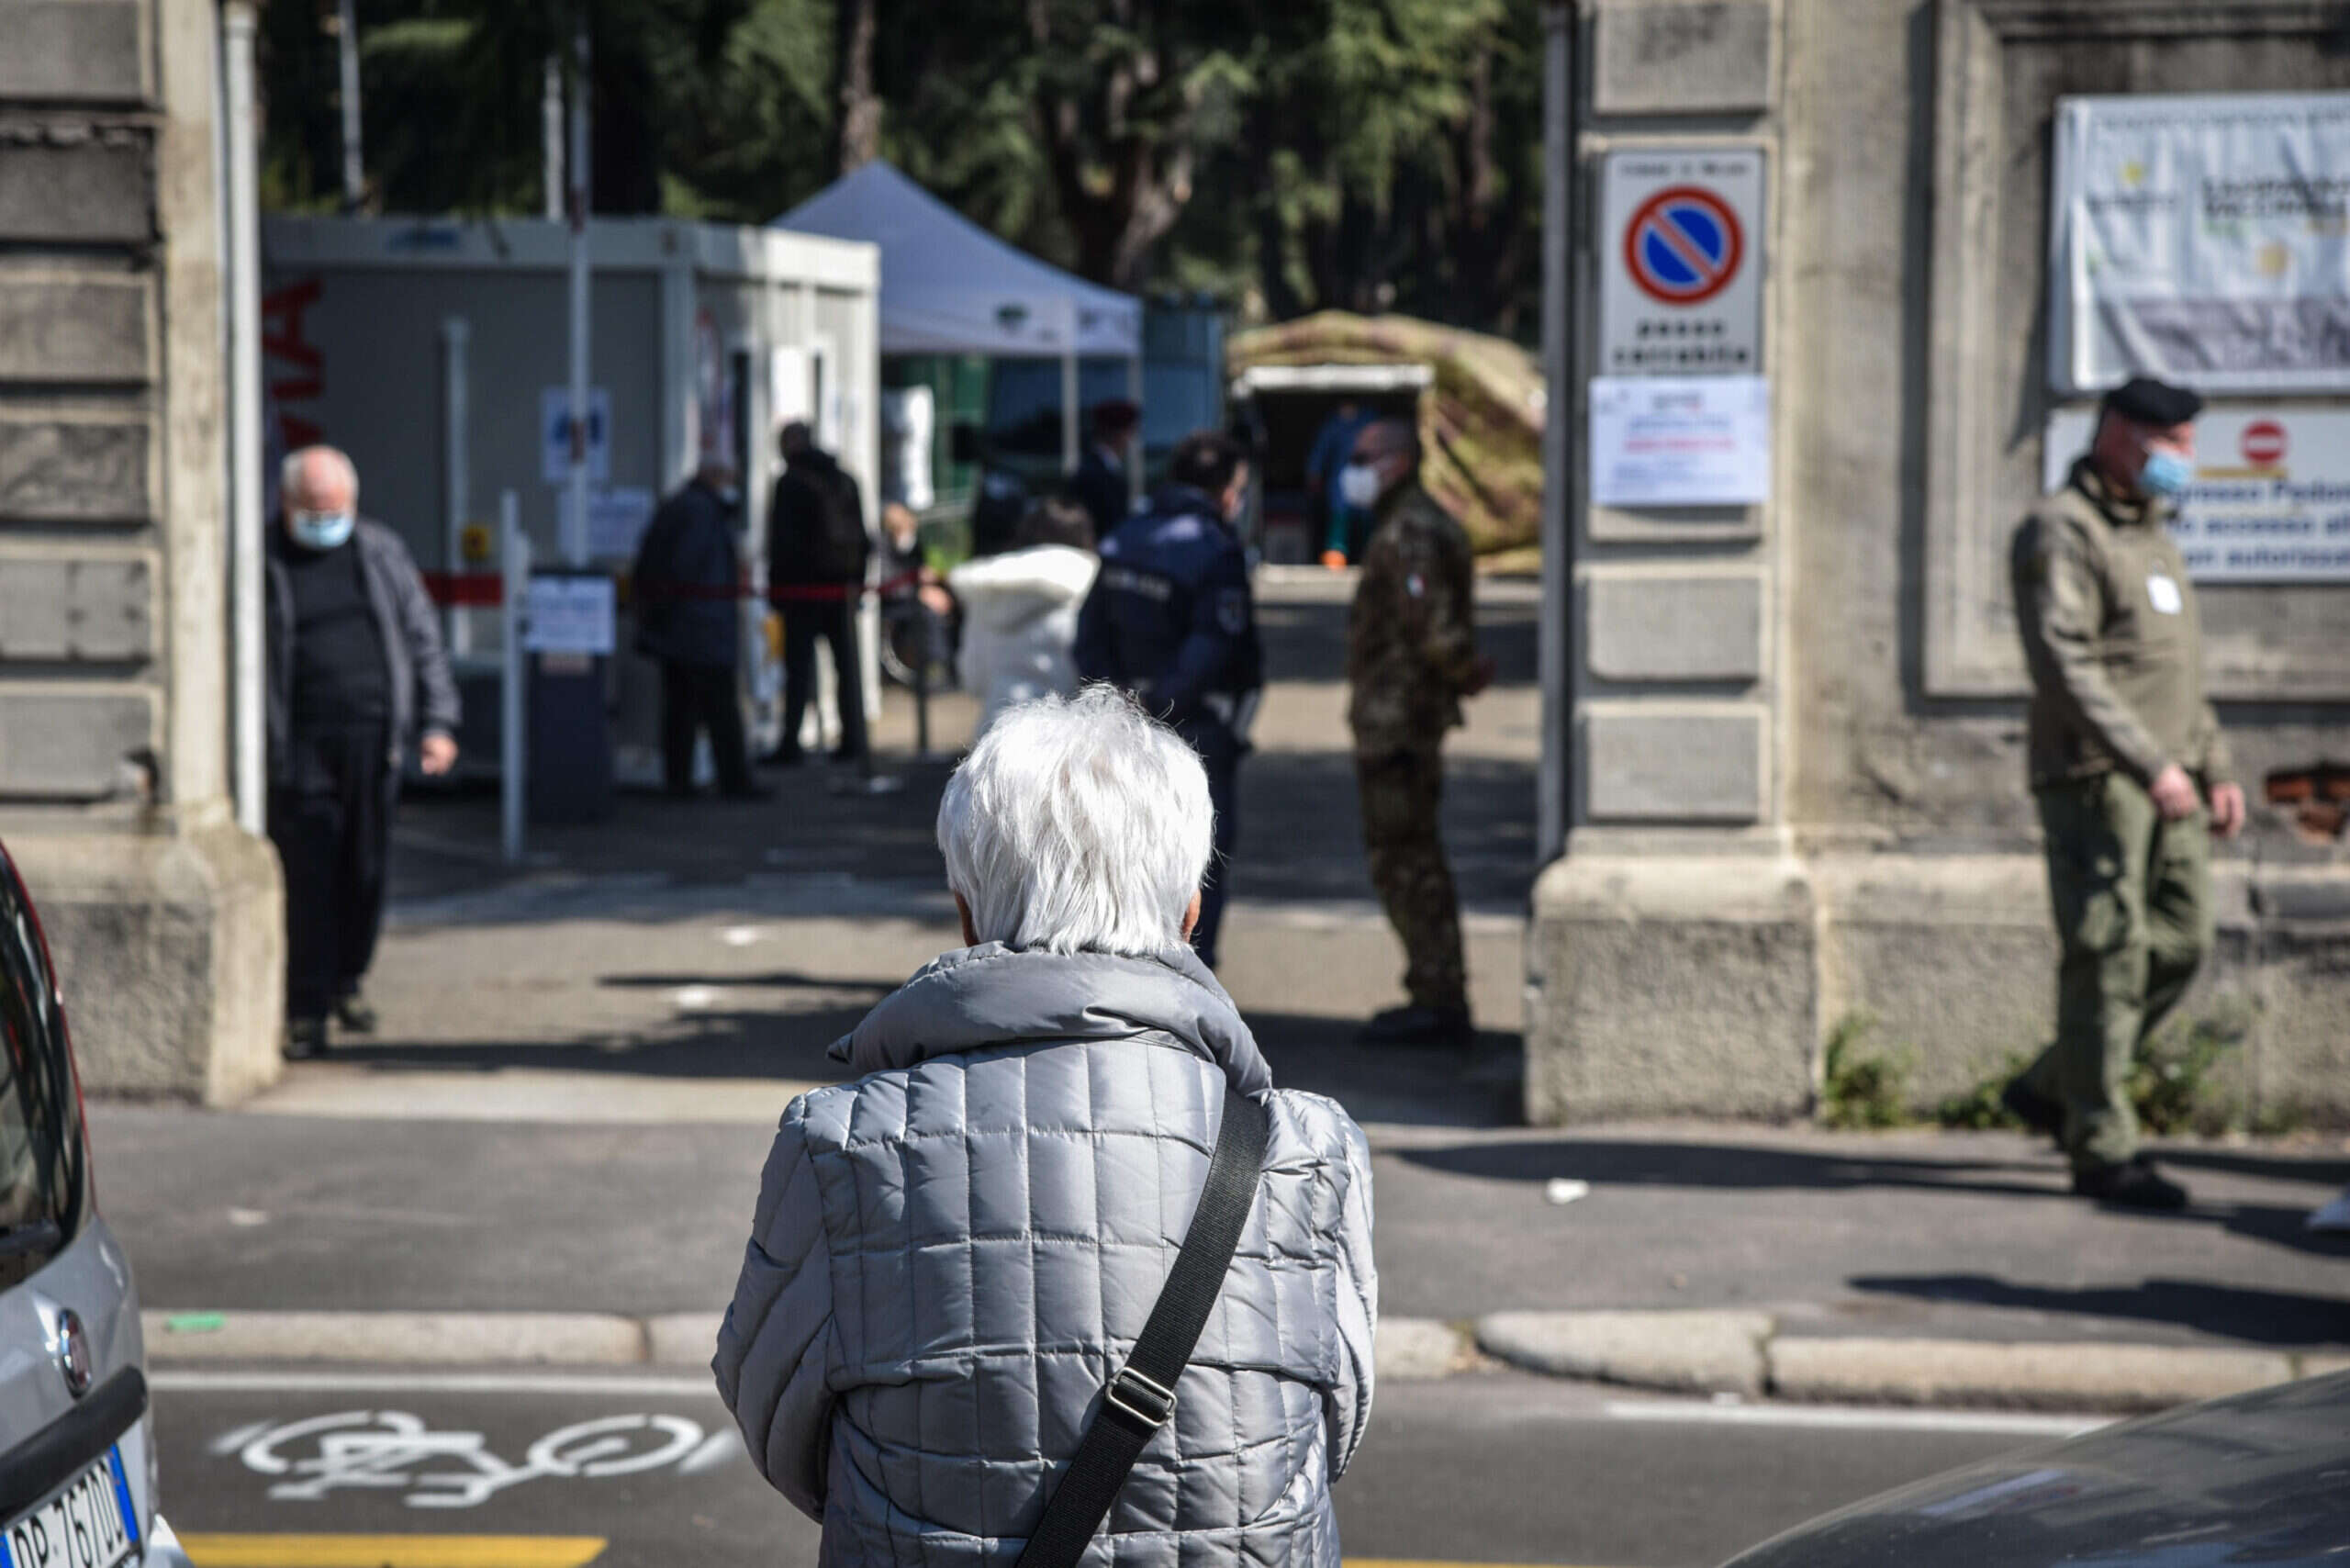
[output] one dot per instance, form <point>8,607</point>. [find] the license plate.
<point>91,1523</point>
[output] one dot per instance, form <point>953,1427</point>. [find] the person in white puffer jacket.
<point>1020,609</point>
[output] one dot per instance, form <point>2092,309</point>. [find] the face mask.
<point>2165,474</point>
<point>1359,485</point>
<point>320,530</point>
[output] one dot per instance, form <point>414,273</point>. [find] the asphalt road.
<point>534,1471</point>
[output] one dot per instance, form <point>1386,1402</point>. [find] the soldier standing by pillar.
<point>1411,657</point>
<point>2125,753</point>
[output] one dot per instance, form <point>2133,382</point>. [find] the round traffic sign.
<point>2264,443</point>
<point>1684,245</point>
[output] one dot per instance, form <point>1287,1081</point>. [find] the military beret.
<point>2153,402</point>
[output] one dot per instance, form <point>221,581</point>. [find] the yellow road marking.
<point>393,1551</point>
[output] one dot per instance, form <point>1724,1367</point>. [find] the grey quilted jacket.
<point>953,1253</point>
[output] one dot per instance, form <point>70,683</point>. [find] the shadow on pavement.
<point>2330,1171</point>
<point>2252,1316</point>
<point>1476,1088</point>
<point>1729,1166</point>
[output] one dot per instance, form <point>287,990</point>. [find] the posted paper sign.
<point>569,615</point>
<point>2271,497</point>
<point>1680,441</point>
<point>2204,239</point>
<point>616,520</point>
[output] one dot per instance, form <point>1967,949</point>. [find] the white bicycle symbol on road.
<point>392,1451</point>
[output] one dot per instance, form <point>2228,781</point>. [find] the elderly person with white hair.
<point>954,1255</point>
<point>356,680</point>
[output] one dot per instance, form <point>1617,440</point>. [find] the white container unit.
<point>436,353</point>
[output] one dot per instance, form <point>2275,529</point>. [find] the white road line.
<point>173,1381</point>
<point>1856,1419</point>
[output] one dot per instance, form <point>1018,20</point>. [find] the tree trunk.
<point>859,131</point>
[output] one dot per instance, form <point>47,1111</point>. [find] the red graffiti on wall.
<point>285,342</point>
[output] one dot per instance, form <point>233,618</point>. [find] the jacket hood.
<point>1005,592</point>
<point>995,995</point>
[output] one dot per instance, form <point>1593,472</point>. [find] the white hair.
<point>289,473</point>
<point>1077,824</point>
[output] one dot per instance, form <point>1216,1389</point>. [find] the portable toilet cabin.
<point>436,353</point>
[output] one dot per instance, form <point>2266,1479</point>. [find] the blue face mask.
<point>2165,474</point>
<point>320,530</point>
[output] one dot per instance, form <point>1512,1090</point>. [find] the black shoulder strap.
<point>1142,1396</point>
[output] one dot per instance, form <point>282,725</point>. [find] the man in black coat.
<point>1101,484</point>
<point>688,580</point>
<point>357,679</point>
<point>817,552</point>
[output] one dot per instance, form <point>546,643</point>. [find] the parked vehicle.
<point>2260,1477</point>
<point>77,1454</point>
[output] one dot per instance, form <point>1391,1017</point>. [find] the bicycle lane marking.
<point>310,1459</point>
<point>247,1551</point>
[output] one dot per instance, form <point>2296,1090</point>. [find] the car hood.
<point>2261,1477</point>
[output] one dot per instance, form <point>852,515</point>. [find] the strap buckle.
<point>1138,1396</point>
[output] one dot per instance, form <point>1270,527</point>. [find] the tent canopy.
<point>950,286</point>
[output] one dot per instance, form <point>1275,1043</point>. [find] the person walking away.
<point>1020,609</point>
<point>687,584</point>
<point>1333,448</point>
<point>952,1252</point>
<point>817,552</point>
<point>356,678</point>
<point>1171,620</point>
<point>1101,484</point>
<point>1411,659</point>
<point>2130,771</point>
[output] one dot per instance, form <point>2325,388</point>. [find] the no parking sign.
<point>1681,262</point>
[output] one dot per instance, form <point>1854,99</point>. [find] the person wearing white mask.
<point>1411,659</point>
<point>356,678</point>
<point>1020,609</point>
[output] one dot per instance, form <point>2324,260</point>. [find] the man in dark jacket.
<point>1101,484</point>
<point>817,552</point>
<point>1171,620</point>
<point>2130,772</point>
<point>687,579</point>
<point>356,676</point>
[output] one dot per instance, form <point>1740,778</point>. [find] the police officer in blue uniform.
<point>1171,619</point>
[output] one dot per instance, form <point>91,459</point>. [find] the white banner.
<point>1694,440</point>
<point>2202,239</point>
<point>2271,496</point>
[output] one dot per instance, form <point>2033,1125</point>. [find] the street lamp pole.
<point>1560,20</point>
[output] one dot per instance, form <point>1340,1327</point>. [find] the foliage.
<point>1860,1090</point>
<point>1357,154</point>
<point>2171,1080</point>
<point>1979,1108</point>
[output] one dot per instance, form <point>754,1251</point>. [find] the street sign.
<point>554,435</point>
<point>1681,262</point>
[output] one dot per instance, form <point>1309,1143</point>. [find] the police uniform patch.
<point>1231,610</point>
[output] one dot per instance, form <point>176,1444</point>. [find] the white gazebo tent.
<point>948,287</point>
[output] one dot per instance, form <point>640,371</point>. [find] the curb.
<point>1742,1353</point>
<point>1739,1353</point>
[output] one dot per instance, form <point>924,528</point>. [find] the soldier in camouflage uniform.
<point>2131,773</point>
<point>1411,657</point>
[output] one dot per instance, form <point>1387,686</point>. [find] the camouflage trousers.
<point>1400,790</point>
<point>2133,899</point>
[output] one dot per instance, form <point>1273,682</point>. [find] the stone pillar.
<point>165,919</point>
<point>1671,949</point>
